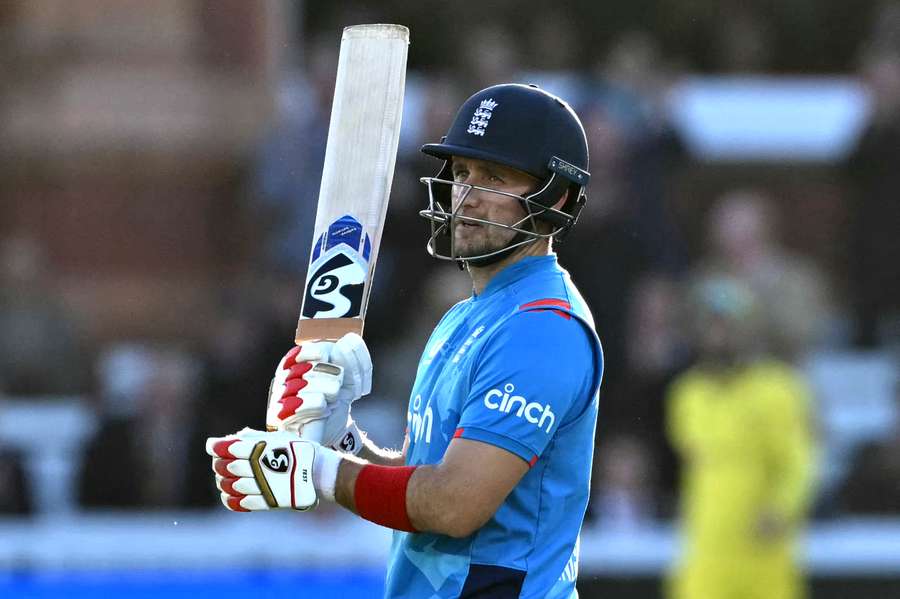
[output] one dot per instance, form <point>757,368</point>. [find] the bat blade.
<point>363,135</point>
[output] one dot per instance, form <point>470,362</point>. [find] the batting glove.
<point>257,470</point>
<point>319,381</point>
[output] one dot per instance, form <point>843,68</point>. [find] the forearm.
<point>430,504</point>
<point>345,492</point>
<point>346,481</point>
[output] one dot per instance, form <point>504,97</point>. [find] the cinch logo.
<point>504,401</point>
<point>420,424</point>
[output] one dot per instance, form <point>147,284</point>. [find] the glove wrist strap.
<point>352,441</point>
<point>325,472</point>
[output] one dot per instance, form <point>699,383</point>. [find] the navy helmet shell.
<point>521,126</point>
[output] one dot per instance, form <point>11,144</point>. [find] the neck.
<point>482,275</point>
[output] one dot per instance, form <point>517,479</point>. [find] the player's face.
<point>472,239</point>
<point>722,340</point>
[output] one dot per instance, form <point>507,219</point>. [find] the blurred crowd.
<point>816,253</point>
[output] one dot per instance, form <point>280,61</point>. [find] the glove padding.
<point>320,380</point>
<point>257,470</point>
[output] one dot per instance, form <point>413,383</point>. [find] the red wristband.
<point>380,495</point>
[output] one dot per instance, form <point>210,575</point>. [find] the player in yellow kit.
<point>739,422</point>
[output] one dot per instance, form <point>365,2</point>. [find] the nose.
<point>466,196</point>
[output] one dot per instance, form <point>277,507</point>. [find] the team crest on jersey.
<point>465,346</point>
<point>482,117</point>
<point>338,271</point>
<point>432,352</point>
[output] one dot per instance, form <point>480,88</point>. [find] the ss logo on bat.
<point>335,288</point>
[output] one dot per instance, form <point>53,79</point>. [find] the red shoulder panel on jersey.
<point>550,302</point>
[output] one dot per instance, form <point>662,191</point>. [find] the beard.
<point>480,240</point>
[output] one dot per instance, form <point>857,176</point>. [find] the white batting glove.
<point>257,470</point>
<point>319,381</point>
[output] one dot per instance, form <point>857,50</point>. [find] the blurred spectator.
<point>623,481</point>
<point>605,252</point>
<point>874,206</point>
<point>442,288</point>
<point>288,169</point>
<point>141,455</point>
<point>658,350</point>
<point>247,338</point>
<point>37,328</point>
<point>625,229</point>
<point>744,244</point>
<point>742,40</point>
<point>242,351</point>
<point>489,56</point>
<point>739,421</point>
<point>636,79</point>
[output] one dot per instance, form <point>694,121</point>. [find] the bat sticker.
<point>338,271</point>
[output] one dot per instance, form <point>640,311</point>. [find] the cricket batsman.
<point>488,494</point>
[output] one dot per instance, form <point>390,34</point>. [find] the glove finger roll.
<point>290,358</point>
<point>298,370</point>
<point>232,468</point>
<point>237,486</point>
<point>250,503</point>
<point>213,442</point>
<point>233,448</point>
<point>232,503</point>
<point>293,386</point>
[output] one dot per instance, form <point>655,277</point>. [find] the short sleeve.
<point>533,375</point>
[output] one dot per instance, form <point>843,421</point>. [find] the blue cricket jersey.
<point>518,367</point>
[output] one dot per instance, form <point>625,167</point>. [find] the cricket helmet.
<point>523,127</point>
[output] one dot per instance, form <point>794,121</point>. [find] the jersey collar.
<point>515,272</point>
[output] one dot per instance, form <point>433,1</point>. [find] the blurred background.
<point>159,171</point>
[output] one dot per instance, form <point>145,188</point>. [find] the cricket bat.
<point>361,151</point>
<point>363,135</point>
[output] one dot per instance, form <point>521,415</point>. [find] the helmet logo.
<point>481,118</point>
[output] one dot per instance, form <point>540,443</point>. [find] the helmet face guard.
<point>521,127</point>
<point>443,214</point>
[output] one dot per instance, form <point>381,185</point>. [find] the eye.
<point>460,175</point>
<point>496,179</point>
